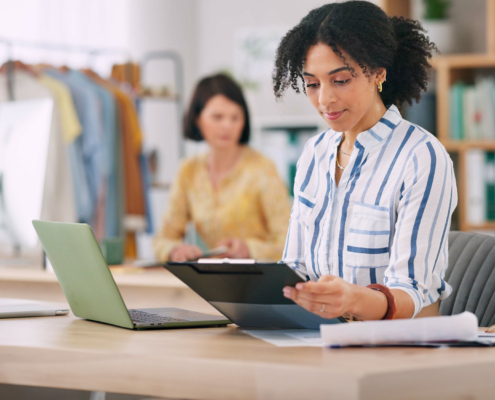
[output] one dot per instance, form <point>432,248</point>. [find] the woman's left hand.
<point>330,297</point>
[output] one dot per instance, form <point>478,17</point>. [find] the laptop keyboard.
<point>152,319</point>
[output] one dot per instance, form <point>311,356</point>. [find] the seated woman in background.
<point>232,194</point>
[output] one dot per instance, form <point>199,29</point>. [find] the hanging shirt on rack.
<point>58,194</point>
<point>88,108</point>
<point>71,129</point>
<point>107,214</point>
<point>129,141</point>
<point>115,195</point>
<point>131,150</point>
<point>69,122</point>
<point>145,170</point>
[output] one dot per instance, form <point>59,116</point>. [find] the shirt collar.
<point>382,129</point>
<point>379,132</point>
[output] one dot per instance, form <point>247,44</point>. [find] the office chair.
<point>471,274</point>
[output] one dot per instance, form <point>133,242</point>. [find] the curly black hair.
<point>364,32</point>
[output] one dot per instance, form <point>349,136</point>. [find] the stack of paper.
<point>458,331</point>
<point>461,327</point>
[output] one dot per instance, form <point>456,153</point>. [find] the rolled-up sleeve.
<point>418,253</point>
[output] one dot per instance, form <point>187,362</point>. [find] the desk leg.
<point>97,396</point>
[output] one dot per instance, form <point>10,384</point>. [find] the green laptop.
<point>90,288</point>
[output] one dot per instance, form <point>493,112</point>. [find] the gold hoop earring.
<point>380,87</point>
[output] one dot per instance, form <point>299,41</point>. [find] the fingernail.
<point>299,286</point>
<point>287,292</point>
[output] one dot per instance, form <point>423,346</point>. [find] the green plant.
<point>436,9</point>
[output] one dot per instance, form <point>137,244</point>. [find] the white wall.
<point>101,24</point>
<point>219,21</point>
<point>203,32</point>
<point>469,19</point>
<point>163,25</point>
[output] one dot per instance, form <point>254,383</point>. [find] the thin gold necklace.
<point>337,156</point>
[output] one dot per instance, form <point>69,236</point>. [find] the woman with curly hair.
<point>374,194</point>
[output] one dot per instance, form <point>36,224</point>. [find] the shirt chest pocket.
<point>306,204</point>
<point>367,244</point>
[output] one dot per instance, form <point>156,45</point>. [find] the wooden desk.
<point>151,288</point>
<point>219,363</point>
<point>224,363</point>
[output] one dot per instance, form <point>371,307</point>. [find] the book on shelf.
<point>472,115</point>
<point>490,185</point>
<point>457,113</point>
<point>476,187</point>
<point>485,92</point>
<point>471,131</point>
<point>480,194</point>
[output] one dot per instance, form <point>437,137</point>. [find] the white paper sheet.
<point>461,327</point>
<point>312,338</point>
<point>486,336</point>
<point>287,337</point>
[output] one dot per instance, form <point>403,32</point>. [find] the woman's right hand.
<point>185,252</point>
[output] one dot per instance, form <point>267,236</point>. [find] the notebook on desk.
<point>20,308</point>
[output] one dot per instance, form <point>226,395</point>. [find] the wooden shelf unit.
<point>490,225</point>
<point>448,70</point>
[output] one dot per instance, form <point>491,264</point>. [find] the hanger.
<point>9,67</point>
<point>41,67</point>
<point>90,73</point>
<point>18,66</point>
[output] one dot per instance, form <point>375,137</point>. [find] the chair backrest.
<point>471,274</point>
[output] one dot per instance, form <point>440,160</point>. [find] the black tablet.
<point>250,295</point>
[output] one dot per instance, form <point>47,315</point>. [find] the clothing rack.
<point>92,53</point>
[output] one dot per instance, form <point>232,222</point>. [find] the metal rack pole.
<point>90,51</point>
<point>62,47</point>
<point>179,85</point>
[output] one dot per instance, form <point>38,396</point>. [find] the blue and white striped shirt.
<point>388,219</point>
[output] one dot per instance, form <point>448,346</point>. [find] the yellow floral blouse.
<point>251,203</point>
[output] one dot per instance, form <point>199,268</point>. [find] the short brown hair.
<point>205,90</point>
